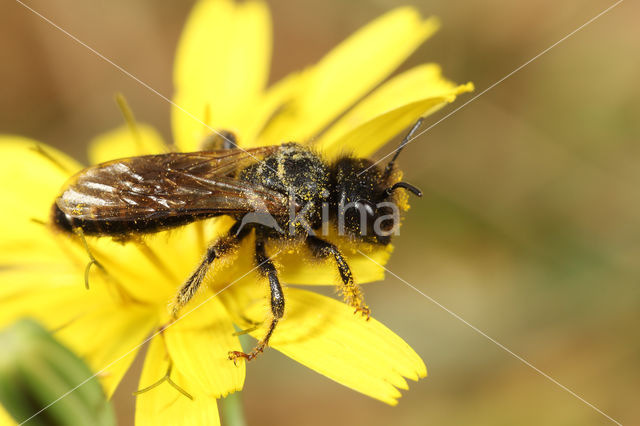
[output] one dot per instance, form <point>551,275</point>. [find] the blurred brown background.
<point>529,224</point>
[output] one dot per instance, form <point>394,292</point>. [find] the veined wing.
<point>175,184</point>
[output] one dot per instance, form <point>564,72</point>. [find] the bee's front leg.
<point>349,289</point>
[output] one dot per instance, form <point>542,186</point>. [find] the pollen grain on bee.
<point>381,219</point>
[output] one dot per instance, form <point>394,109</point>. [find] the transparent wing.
<point>175,184</point>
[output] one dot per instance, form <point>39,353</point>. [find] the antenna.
<point>389,168</point>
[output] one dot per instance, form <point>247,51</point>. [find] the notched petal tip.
<point>326,336</point>
<point>390,109</point>
<point>348,72</point>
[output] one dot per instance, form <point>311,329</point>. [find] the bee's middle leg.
<point>349,289</point>
<point>266,267</point>
<point>216,250</point>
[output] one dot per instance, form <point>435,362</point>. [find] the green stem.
<point>233,410</point>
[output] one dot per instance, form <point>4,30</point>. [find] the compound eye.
<point>367,206</point>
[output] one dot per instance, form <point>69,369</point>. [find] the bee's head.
<point>365,203</point>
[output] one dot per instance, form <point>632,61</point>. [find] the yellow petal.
<point>109,338</point>
<point>140,267</point>
<point>46,293</point>
<point>153,270</point>
<point>199,343</point>
<point>389,110</point>
<point>128,267</point>
<point>297,269</point>
<point>221,67</point>
<point>123,142</point>
<point>349,71</point>
<point>164,405</point>
<point>88,321</point>
<point>31,176</point>
<point>181,250</point>
<point>5,418</point>
<point>272,101</point>
<point>327,337</point>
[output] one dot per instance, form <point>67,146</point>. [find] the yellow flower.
<point>220,77</point>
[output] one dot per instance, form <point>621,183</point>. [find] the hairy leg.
<point>216,250</point>
<point>266,268</point>
<point>349,289</point>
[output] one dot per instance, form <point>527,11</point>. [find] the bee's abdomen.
<point>66,223</point>
<point>60,220</point>
<point>119,228</point>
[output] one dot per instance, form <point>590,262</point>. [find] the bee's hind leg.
<point>266,267</point>
<point>349,289</point>
<point>216,250</point>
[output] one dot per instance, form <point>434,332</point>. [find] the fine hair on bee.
<point>283,193</point>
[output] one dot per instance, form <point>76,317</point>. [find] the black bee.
<point>282,192</point>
